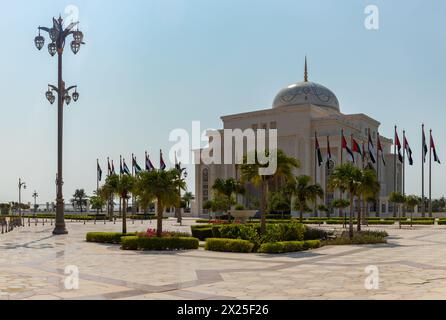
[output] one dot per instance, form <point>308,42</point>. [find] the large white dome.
<point>304,93</point>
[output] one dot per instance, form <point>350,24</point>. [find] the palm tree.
<point>187,198</point>
<point>108,191</point>
<point>228,188</point>
<point>347,178</point>
<point>162,186</point>
<point>125,185</point>
<point>399,199</point>
<point>79,199</point>
<point>251,173</point>
<point>369,188</point>
<point>304,192</point>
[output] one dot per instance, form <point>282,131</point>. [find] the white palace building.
<point>298,111</point>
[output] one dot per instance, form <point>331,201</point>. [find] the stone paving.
<point>33,264</point>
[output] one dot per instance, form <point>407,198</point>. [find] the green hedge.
<point>315,234</point>
<point>289,246</point>
<point>419,222</point>
<point>158,244</point>
<point>107,237</point>
<point>363,237</point>
<point>229,245</point>
<point>202,232</point>
<point>378,222</point>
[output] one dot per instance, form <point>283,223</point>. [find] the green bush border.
<point>107,237</point>
<point>159,244</point>
<point>289,246</point>
<point>229,245</point>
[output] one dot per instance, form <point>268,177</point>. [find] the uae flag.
<point>136,166</point>
<point>328,149</point>
<point>345,147</point>
<point>149,164</point>
<point>371,150</point>
<point>162,163</point>
<point>355,147</point>
<point>99,172</point>
<point>425,149</point>
<point>125,169</point>
<point>398,145</point>
<point>380,149</point>
<point>434,150</point>
<point>110,172</point>
<point>318,152</point>
<point>408,151</point>
<point>113,168</point>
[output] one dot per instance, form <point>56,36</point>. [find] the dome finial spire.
<point>306,70</point>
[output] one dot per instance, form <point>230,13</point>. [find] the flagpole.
<point>133,196</point>
<point>430,174</point>
<point>315,171</point>
<point>404,170</point>
<point>394,171</point>
<point>120,175</point>
<point>378,159</point>
<point>341,211</point>
<point>423,203</point>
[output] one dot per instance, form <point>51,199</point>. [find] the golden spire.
<point>306,70</point>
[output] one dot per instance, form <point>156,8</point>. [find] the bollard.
<point>29,222</point>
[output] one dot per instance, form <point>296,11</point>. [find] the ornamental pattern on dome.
<point>306,93</point>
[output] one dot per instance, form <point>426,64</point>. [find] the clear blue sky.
<point>152,66</point>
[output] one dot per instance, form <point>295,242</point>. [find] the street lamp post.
<point>35,195</point>
<point>21,184</point>
<point>58,34</point>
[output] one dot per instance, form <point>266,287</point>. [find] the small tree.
<point>79,199</point>
<point>304,192</point>
<point>97,203</point>
<point>399,199</point>
<point>324,209</point>
<point>411,202</point>
<point>340,204</point>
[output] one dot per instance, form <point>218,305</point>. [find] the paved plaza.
<point>33,265</point>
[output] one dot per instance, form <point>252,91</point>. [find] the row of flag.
<point>124,169</point>
<point>371,153</point>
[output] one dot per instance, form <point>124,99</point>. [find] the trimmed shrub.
<point>107,237</point>
<point>418,222</point>
<point>315,234</point>
<point>171,243</point>
<point>205,221</point>
<point>239,231</point>
<point>129,243</point>
<point>278,217</point>
<point>284,232</point>
<point>202,232</point>
<point>363,237</point>
<point>441,222</point>
<point>229,245</point>
<point>378,222</point>
<point>289,246</point>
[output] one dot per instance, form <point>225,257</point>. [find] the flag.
<point>371,149</point>
<point>398,145</point>
<point>380,149</point>
<point>434,150</point>
<point>425,149</point>
<point>110,172</point>
<point>121,169</point>
<point>350,155</point>
<point>318,151</point>
<point>162,163</point>
<point>408,151</point>
<point>136,166</point>
<point>99,172</point>
<point>177,164</point>
<point>113,168</point>
<point>149,164</point>
<point>355,147</point>
<point>364,154</point>
<point>125,169</point>
<point>328,149</point>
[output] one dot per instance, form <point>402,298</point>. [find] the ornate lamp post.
<point>21,184</point>
<point>58,36</point>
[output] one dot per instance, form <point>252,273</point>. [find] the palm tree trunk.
<point>352,208</point>
<point>159,219</point>
<point>359,214</point>
<point>263,207</point>
<point>301,207</point>
<point>124,216</point>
